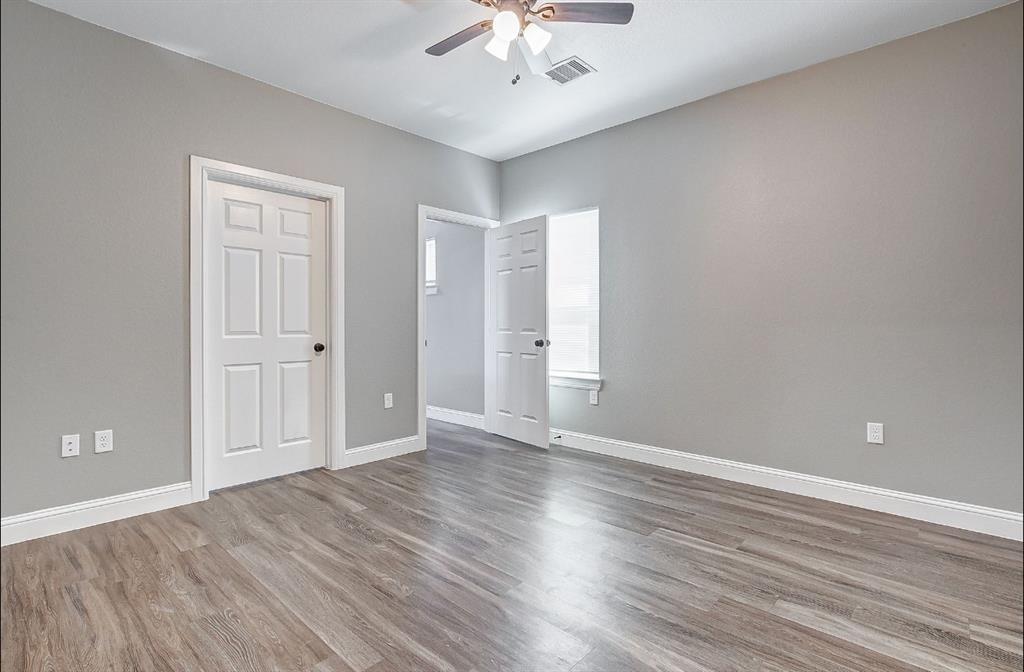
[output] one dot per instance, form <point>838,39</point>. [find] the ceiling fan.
<point>517,18</point>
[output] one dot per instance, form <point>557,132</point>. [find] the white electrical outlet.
<point>69,445</point>
<point>876,433</point>
<point>389,400</point>
<point>103,441</point>
<point>593,398</point>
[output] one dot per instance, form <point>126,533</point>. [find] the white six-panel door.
<point>516,370</point>
<point>265,312</point>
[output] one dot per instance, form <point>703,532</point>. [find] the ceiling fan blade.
<point>459,38</point>
<point>586,12</point>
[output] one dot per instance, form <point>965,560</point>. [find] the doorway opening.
<point>452,305</point>
<point>508,320</point>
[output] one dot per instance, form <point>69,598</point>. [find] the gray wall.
<point>454,319</point>
<point>784,262</point>
<point>781,263</point>
<point>97,129</point>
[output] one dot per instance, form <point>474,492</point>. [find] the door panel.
<point>294,276</point>
<point>516,393</point>
<point>531,294</point>
<point>530,378</point>
<point>504,383</point>
<point>242,408</point>
<point>265,308</point>
<point>295,223</point>
<point>243,215</point>
<point>296,381</point>
<point>242,291</point>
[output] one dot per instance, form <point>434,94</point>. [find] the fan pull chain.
<point>515,61</point>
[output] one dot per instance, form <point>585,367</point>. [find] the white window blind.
<point>430,265</point>
<point>574,294</point>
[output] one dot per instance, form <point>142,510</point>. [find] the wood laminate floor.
<point>482,554</point>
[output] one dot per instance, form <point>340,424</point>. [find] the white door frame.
<point>202,171</point>
<point>438,215</point>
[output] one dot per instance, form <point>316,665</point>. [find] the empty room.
<point>512,335</point>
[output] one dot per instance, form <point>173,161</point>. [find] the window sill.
<point>576,381</point>
<point>431,289</point>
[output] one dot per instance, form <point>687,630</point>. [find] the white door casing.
<point>265,386</point>
<point>516,370</point>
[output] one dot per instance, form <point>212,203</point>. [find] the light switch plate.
<point>389,400</point>
<point>69,445</point>
<point>876,432</point>
<point>593,398</point>
<point>103,441</point>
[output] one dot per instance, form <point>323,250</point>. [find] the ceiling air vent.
<point>571,68</point>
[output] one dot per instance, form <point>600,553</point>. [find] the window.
<point>430,265</point>
<point>574,300</point>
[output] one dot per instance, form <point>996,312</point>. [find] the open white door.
<point>516,370</point>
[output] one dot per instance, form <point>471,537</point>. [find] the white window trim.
<point>575,380</point>
<point>431,287</point>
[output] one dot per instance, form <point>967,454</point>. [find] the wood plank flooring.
<point>482,554</point>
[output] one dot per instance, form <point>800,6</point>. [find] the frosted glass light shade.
<point>536,38</point>
<point>498,48</point>
<point>506,25</point>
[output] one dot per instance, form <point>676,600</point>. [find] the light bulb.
<point>536,37</point>
<point>498,48</point>
<point>506,25</point>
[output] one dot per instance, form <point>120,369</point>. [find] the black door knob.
<point>319,347</point>
<point>539,342</point>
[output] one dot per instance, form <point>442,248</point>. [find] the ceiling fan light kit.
<point>498,48</point>
<point>536,38</point>
<point>506,25</point>
<point>518,18</point>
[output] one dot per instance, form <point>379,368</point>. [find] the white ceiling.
<point>366,56</point>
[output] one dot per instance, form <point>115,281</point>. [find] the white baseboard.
<point>45,522</point>
<point>475,420</point>
<point>997,522</point>
<point>36,524</point>
<point>383,450</point>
